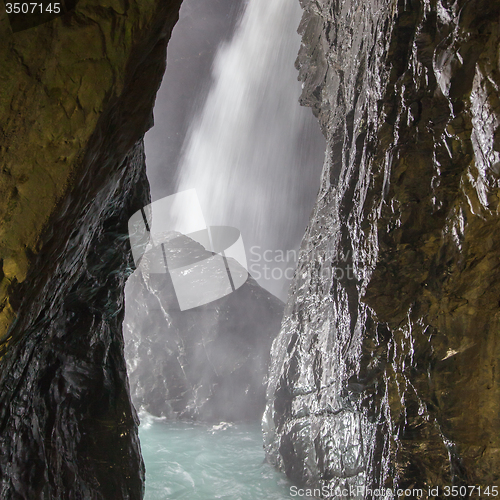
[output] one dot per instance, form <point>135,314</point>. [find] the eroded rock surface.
<point>385,373</point>
<point>76,97</point>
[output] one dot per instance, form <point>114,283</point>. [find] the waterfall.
<point>252,153</point>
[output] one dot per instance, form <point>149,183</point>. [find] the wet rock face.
<point>78,100</point>
<point>206,364</point>
<point>385,372</point>
<point>67,426</point>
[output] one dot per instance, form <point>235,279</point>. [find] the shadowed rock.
<point>77,96</point>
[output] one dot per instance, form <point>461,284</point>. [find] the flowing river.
<point>199,462</point>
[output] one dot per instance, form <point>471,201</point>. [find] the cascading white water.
<point>253,154</point>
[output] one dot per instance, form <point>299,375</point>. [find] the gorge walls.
<point>385,373</point>
<point>76,98</point>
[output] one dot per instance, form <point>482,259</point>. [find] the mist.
<point>228,123</point>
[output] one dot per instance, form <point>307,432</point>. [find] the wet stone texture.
<point>76,97</point>
<point>67,426</point>
<point>385,373</point>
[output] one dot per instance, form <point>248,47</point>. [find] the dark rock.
<point>67,426</point>
<point>77,100</point>
<point>390,377</point>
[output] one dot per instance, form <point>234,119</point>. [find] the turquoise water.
<point>195,461</point>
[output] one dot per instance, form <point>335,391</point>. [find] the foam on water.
<point>194,461</point>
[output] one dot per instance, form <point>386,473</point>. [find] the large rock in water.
<point>386,371</point>
<point>76,98</point>
<point>208,363</point>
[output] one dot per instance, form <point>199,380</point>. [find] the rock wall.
<point>76,97</point>
<point>385,373</point>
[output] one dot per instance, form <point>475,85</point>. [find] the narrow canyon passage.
<point>294,301</point>
<point>379,370</point>
<point>229,125</point>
